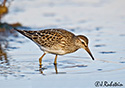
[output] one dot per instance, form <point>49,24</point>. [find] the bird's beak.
<point>87,49</point>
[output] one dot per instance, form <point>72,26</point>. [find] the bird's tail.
<point>20,31</point>
<point>25,33</point>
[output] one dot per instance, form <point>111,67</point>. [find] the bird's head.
<point>82,42</point>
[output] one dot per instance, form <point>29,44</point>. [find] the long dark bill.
<point>87,49</point>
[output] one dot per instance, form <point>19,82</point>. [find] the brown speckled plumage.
<point>57,41</point>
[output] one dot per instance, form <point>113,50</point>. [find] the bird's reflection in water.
<point>41,69</point>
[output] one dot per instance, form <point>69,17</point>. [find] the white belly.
<point>59,52</point>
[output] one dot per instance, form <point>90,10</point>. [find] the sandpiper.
<point>57,41</point>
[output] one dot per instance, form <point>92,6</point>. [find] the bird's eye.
<point>83,43</point>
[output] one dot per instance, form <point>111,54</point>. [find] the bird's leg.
<point>55,61</point>
<point>56,68</point>
<point>40,60</point>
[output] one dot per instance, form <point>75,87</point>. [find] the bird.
<point>57,41</point>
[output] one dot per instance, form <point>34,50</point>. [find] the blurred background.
<point>102,21</point>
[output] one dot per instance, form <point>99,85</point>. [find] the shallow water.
<point>101,21</point>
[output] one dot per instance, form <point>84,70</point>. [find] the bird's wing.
<point>48,37</point>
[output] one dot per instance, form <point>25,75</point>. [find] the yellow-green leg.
<point>55,61</point>
<point>40,59</point>
<point>56,68</point>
